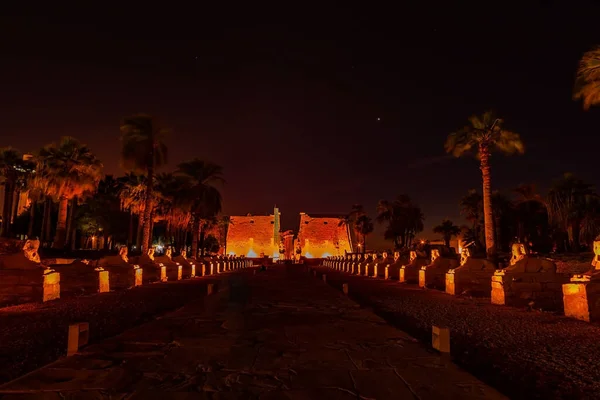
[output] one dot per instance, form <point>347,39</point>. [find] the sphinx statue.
<point>472,275</point>
<point>434,273</point>
<point>371,265</point>
<point>122,259</point>
<point>187,263</point>
<point>581,295</point>
<point>409,273</point>
<point>19,257</point>
<point>527,279</point>
<point>30,250</point>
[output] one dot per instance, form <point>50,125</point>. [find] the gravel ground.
<point>33,335</point>
<point>524,354</point>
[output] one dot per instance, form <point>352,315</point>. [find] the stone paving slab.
<point>279,334</point>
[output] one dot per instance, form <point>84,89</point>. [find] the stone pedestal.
<point>434,274</point>
<point>472,277</point>
<point>51,288</point>
<point>138,274</point>
<point>582,300</point>
<point>103,281</point>
<point>544,290</point>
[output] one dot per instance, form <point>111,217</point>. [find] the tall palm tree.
<point>447,229</point>
<point>350,221</point>
<point>72,170</point>
<point>587,84</point>
<point>202,176</point>
<point>364,226</point>
<point>404,219</point>
<point>11,171</point>
<point>143,151</point>
<point>132,192</point>
<point>484,135</point>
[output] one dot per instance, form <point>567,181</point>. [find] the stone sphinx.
<point>434,273</point>
<point>189,265</point>
<point>392,269</point>
<point>371,265</point>
<point>25,258</point>
<point>473,275</point>
<point>528,279</point>
<point>409,273</point>
<point>581,296</point>
<point>363,260</point>
<point>122,259</point>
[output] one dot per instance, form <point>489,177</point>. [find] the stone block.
<point>582,300</point>
<point>51,288</point>
<point>103,281</point>
<point>78,336</point>
<point>440,339</point>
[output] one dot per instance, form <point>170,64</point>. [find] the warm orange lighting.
<point>103,280</point>
<point>51,285</point>
<point>193,274</point>
<point>179,272</point>
<point>137,275</point>
<point>163,273</point>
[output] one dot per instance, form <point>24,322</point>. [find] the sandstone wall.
<point>252,235</point>
<point>321,236</point>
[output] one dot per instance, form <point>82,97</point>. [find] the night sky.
<point>313,110</point>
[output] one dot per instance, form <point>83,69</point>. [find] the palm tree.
<point>143,151</point>
<point>364,226</point>
<point>484,135</point>
<point>404,219</point>
<point>202,176</point>
<point>350,222</point>
<point>11,173</point>
<point>447,229</point>
<point>587,84</point>
<point>72,170</point>
<point>133,199</point>
<point>570,202</point>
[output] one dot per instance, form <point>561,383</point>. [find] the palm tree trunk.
<point>61,225</point>
<point>488,216</point>
<point>15,208</point>
<point>140,230</point>
<point>71,212</point>
<point>44,221</point>
<point>7,209</point>
<point>73,239</point>
<point>130,233</point>
<point>195,236</point>
<point>147,239</point>
<point>50,210</point>
<point>32,206</point>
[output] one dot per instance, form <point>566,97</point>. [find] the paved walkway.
<point>280,334</point>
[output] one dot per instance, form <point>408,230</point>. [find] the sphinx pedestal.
<point>582,300</point>
<point>520,289</point>
<point>409,273</point>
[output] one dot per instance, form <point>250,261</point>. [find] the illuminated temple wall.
<point>321,236</point>
<point>252,235</point>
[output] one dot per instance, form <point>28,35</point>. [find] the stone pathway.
<point>279,334</point>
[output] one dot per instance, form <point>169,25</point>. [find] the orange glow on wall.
<point>322,236</point>
<point>179,272</point>
<point>251,236</point>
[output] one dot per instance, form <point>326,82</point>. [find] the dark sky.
<point>288,100</point>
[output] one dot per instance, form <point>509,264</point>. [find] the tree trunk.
<point>195,234</point>
<point>130,233</point>
<point>73,239</point>
<point>147,239</point>
<point>50,209</point>
<point>488,216</point>
<point>447,240</point>
<point>14,209</point>
<point>7,208</point>
<point>61,225</point>
<point>32,206</point>
<point>140,230</point>
<point>44,220</point>
<point>71,212</point>
<point>575,231</point>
